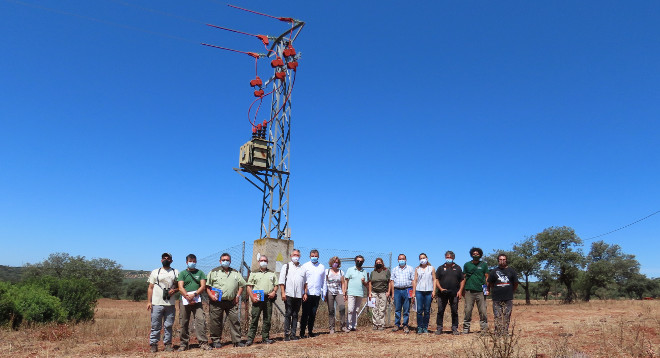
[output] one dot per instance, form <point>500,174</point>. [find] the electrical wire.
<point>623,227</point>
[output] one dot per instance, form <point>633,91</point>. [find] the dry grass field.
<point>543,329</point>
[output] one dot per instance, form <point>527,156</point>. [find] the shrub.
<point>77,295</point>
<point>137,290</point>
<point>35,304</point>
<point>8,311</point>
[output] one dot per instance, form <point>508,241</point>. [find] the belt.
<point>402,288</point>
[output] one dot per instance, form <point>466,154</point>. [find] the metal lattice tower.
<point>265,159</point>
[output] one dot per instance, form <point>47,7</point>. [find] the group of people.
<point>306,285</point>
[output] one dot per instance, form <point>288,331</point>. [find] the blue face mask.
<point>192,265</point>
<point>225,263</point>
<point>314,259</point>
<point>449,261</point>
<point>402,262</point>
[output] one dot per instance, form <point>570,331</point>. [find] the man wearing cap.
<point>230,283</point>
<point>266,281</point>
<point>192,282</point>
<point>160,298</point>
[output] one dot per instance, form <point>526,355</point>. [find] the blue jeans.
<point>401,303</point>
<point>158,315</point>
<point>423,299</point>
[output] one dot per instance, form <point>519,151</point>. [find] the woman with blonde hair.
<point>334,288</point>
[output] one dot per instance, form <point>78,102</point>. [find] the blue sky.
<point>417,126</point>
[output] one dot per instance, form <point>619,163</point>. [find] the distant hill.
<point>13,274</point>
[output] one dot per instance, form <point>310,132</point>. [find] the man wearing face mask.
<point>192,282</point>
<point>450,286</point>
<point>263,280</point>
<point>357,280</point>
<point>400,287</point>
<point>314,274</point>
<point>160,298</point>
<point>231,283</point>
<point>292,285</point>
<point>475,273</point>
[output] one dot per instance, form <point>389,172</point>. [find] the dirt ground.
<point>542,329</point>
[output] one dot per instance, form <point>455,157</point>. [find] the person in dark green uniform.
<point>476,275</point>
<point>264,280</point>
<point>192,282</point>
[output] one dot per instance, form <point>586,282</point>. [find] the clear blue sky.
<point>417,126</point>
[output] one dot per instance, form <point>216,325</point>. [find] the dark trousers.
<point>447,297</point>
<point>259,308</point>
<point>502,312</point>
<point>292,307</point>
<point>308,317</point>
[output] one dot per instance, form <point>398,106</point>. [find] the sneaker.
<point>455,332</point>
<point>312,335</point>
<point>286,338</point>
<point>419,330</point>
<point>248,343</point>
<point>267,341</point>
<point>381,328</point>
<point>217,345</point>
<point>374,328</point>
<point>294,338</point>
<point>205,346</point>
<point>239,344</point>
<point>396,328</point>
<point>466,331</point>
<point>182,348</point>
<point>332,331</point>
<point>425,330</point>
<point>153,348</point>
<point>438,331</point>
<point>345,329</point>
<point>406,329</point>
<point>168,348</point>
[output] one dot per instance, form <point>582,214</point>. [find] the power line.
<point>623,227</point>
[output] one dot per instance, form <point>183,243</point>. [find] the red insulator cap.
<point>280,75</point>
<point>254,129</point>
<point>290,51</point>
<point>259,126</point>
<point>265,123</point>
<point>259,93</point>
<point>276,62</point>
<point>292,65</point>
<point>256,82</point>
<point>263,39</point>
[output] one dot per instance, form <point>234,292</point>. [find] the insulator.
<point>280,75</point>
<point>264,124</point>
<point>256,82</point>
<point>263,39</point>
<point>276,62</point>
<point>292,65</point>
<point>254,132</point>
<point>259,127</point>
<point>290,51</point>
<point>259,93</point>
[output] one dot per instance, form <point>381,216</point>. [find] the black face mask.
<point>379,266</point>
<point>167,263</point>
<point>358,264</point>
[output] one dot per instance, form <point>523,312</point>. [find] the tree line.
<point>555,256</point>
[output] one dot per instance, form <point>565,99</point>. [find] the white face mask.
<point>423,261</point>
<point>263,263</point>
<point>295,258</point>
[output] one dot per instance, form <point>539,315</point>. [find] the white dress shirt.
<point>314,275</point>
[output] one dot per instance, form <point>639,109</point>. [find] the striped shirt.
<point>403,277</point>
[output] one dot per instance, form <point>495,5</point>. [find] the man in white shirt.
<point>314,274</point>
<point>160,298</point>
<point>292,285</point>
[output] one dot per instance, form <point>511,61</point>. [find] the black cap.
<point>165,254</point>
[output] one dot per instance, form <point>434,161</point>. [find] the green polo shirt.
<point>188,278</point>
<point>475,275</point>
<point>265,281</point>
<point>228,282</point>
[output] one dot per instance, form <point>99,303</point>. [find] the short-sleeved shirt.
<point>354,277</point>
<point>162,279</point>
<point>293,281</point>
<point>192,280</point>
<point>425,278</point>
<point>380,281</point>
<point>314,274</point>
<point>403,276</point>
<point>450,277</point>
<point>475,275</point>
<point>502,282</point>
<point>263,280</point>
<point>333,282</point>
<point>228,282</point>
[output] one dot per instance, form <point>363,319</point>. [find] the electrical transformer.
<point>255,153</point>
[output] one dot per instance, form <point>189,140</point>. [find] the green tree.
<point>558,249</point>
<point>137,290</point>
<point>524,259</point>
<point>105,274</point>
<point>608,271</point>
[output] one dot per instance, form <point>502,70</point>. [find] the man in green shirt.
<point>192,282</point>
<point>476,275</point>
<point>266,281</point>
<point>230,283</point>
